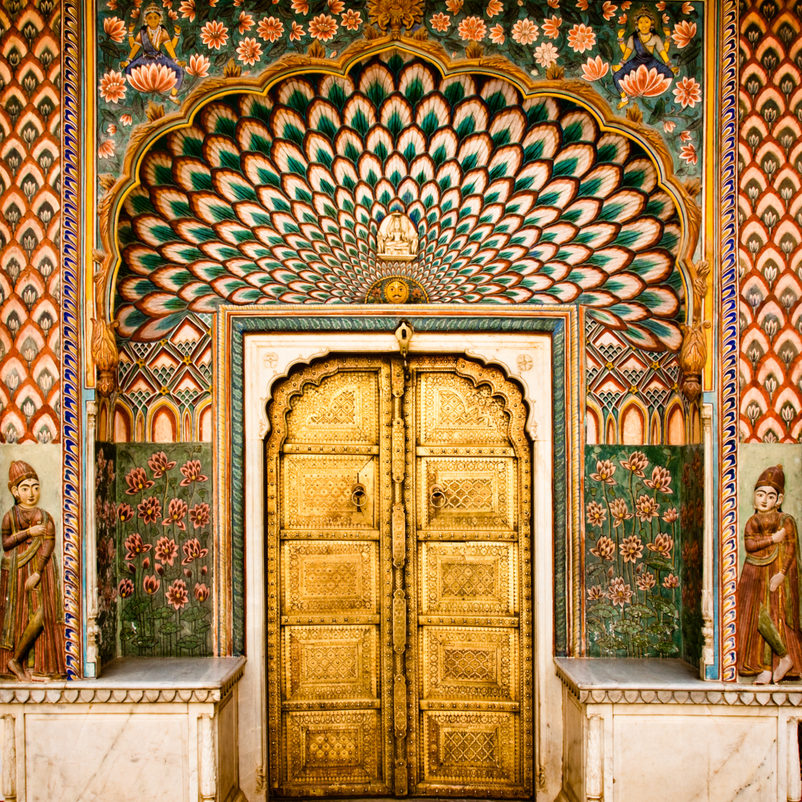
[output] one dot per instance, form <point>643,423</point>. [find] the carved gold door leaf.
<point>399,631</point>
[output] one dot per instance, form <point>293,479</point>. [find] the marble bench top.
<point>599,680</point>
<point>137,679</point>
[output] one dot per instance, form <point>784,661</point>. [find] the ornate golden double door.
<point>399,634</point>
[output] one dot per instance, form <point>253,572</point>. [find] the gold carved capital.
<point>105,355</point>
<point>395,15</point>
<point>693,352</point>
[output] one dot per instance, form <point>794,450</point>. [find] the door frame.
<point>537,348</point>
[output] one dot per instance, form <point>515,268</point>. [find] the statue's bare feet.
<point>783,667</point>
<point>19,671</point>
<point>763,678</point>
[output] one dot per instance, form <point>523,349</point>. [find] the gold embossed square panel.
<point>341,410</point>
<point>476,493</point>
<point>454,412</point>
<point>468,579</point>
<point>476,748</point>
<point>328,749</point>
<point>470,663</point>
<point>318,491</point>
<point>330,663</point>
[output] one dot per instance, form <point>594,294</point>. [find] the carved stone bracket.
<point>693,352</point>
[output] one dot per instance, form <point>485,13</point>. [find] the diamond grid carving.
<point>470,748</point>
<point>468,580</point>
<point>469,664</point>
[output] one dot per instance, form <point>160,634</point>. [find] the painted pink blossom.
<point>619,512</point>
<point>166,550</point>
<point>176,511</point>
<point>688,154</point>
<point>661,480</point>
<point>636,463</point>
<point>604,472</point>
<point>151,583</point>
<point>134,546</point>
<point>631,548</point>
<point>193,551</point>
<point>106,149</point>
<point>620,593</point>
<point>595,514</point>
<point>546,54</point>
<point>125,512</point>
<point>201,591</point>
<point>646,508</point>
<point>646,581</point>
<point>199,515</point>
<point>663,545</point>
<point>149,510</point>
<point>159,464</point>
<point>671,581</point>
<point>191,470</point>
<point>604,549</point>
<point>670,515</point>
<point>137,481</point>
<point>597,592</point>
<point>177,596</point>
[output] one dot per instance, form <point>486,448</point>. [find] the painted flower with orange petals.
<point>166,550</point>
<point>596,592</point>
<point>546,54</point>
<point>646,581</point>
<point>670,515</point>
<point>636,463</point>
<point>595,514</point>
<point>620,593</point>
<point>151,584</point>
<point>336,6</point>
<point>688,92</point>
<point>440,22</point>
<point>249,51</point>
<point>176,511</point>
<point>472,29</point>
<point>646,508</point>
<point>582,5</point>
<point>687,8</point>
<point>631,548</point>
<point>551,27</point>
<point>134,546</point>
<point>114,28</point>
<point>688,154</point>
<point>199,515</point>
<point>619,512</point>
<point>191,471</point>
<point>524,31</point>
<point>669,126</point>
<point>297,32</point>
<point>198,65</point>
<point>604,549</point>
<point>137,480</point>
<point>608,10</point>
<point>149,510</point>
<point>159,464</point>
<point>594,68</point>
<point>497,34</point>
<point>112,86</point>
<point>645,82</point>
<point>661,480</point>
<point>581,37</point>
<point>663,544</point>
<point>106,149</point>
<point>193,551</point>
<point>494,8</point>
<point>454,6</point>
<point>244,22</point>
<point>187,10</point>
<point>270,29</point>
<point>125,588</point>
<point>300,6</point>
<point>323,27</point>
<point>214,34</point>
<point>152,78</point>
<point>351,20</point>
<point>671,581</point>
<point>201,591</point>
<point>125,512</point>
<point>126,119</point>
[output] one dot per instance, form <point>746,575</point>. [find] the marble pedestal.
<point>638,729</point>
<point>147,729</point>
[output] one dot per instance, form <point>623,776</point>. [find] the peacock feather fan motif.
<point>278,198</point>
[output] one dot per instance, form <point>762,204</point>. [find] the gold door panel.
<point>342,409</point>
<point>399,644</point>
<point>463,579</point>
<point>469,664</point>
<point>468,493</point>
<point>329,750</point>
<point>330,578</point>
<point>318,491</point>
<point>470,750</point>
<point>331,663</point>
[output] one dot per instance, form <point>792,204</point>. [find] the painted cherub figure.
<point>31,640</point>
<point>769,637</point>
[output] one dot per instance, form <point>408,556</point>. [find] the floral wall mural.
<point>192,40</point>
<point>155,576</point>
<point>643,559</point>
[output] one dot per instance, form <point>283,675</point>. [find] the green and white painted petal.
<point>278,198</point>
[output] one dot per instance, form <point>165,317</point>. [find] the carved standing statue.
<point>769,640</point>
<point>31,643</point>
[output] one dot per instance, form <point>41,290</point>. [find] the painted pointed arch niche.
<point>520,193</point>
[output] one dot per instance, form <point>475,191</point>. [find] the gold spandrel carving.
<point>330,578</point>
<point>318,491</point>
<point>471,749</point>
<point>341,409</point>
<point>470,664</point>
<point>475,493</point>
<point>453,410</point>
<point>329,749</point>
<point>331,663</point>
<point>468,579</point>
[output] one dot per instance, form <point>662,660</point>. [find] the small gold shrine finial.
<point>398,238</point>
